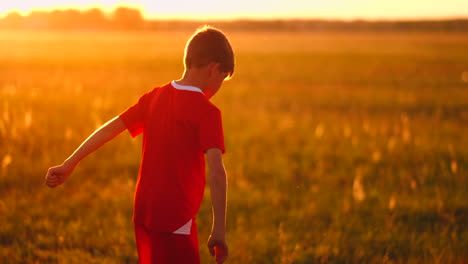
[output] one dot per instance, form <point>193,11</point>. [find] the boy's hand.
<point>218,248</point>
<point>57,175</point>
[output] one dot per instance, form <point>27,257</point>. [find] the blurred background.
<point>345,126</point>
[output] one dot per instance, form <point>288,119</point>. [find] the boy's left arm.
<point>218,187</point>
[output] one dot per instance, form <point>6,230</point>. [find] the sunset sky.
<point>217,9</point>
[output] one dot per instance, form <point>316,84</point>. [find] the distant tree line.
<point>120,18</point>
<point>131,19</point>
<point>319,25</point>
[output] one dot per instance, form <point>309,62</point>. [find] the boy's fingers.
<point>219,250</point>
<point>53,180</point>
<point>51,177</point>
<point>50,180</point>
<point>211,249</point>
<point>224,247</point>
<point>223,251</point>
<point>51,183</point>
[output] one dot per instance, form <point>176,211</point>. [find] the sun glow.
<point>26,7</point>
<point>211,9</point>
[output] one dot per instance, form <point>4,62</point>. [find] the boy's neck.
<point>193,78</point>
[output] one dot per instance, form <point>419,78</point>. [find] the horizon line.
<point>227,18</point>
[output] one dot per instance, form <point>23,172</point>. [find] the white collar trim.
<point>186,88</point>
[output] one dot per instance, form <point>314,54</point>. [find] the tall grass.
<point>341,147</point>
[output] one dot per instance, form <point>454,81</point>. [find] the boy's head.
<point>209,45</point>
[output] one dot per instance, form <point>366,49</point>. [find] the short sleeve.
<point>134,116</point>
<point>211,131</point>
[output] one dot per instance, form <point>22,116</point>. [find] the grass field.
<point>341,147</point>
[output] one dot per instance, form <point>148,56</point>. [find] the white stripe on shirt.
<point>185,229</point>
<point>186,88</point>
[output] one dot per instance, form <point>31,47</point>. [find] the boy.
<point>180,127</point>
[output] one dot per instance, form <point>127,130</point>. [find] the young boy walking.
<point>180,128</point>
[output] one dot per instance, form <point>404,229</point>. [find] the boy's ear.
<point>214,67</point>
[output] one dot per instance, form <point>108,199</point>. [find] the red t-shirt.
<point>178,126</point>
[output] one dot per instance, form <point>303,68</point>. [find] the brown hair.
<point>209,45</point>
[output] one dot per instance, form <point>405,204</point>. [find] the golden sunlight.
<point>26,7</point>
<point>260,9</point>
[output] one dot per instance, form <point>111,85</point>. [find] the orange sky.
<point>218,9</point>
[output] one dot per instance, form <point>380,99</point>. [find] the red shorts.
<point>164,247</point>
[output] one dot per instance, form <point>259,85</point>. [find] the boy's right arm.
<point>58,174</point>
